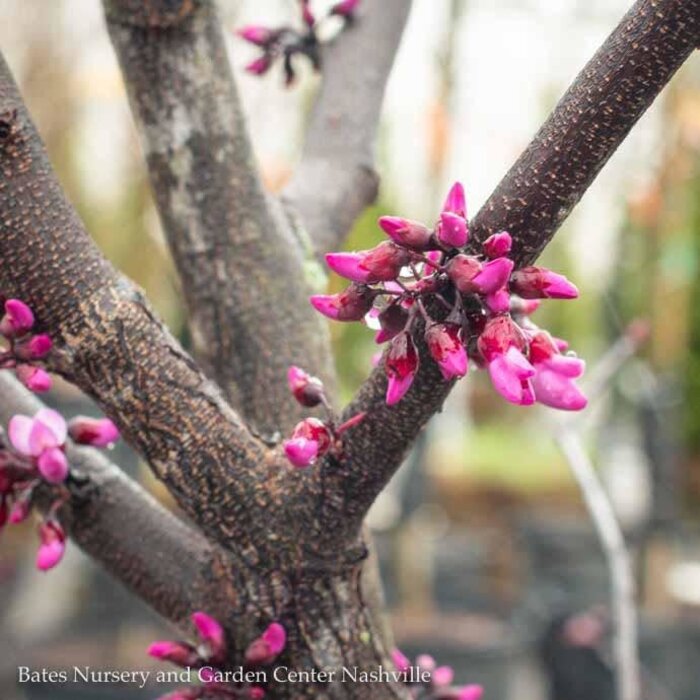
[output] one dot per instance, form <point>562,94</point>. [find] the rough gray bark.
<point>247,301</point>
<point>336,178</point>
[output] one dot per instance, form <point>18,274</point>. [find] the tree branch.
<point>168,564</point>
<point>533,199</point>
<point>109,343</point>
<point>242,271</point>
<point>335,179</point>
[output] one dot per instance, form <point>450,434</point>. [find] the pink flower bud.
<point>541,283</point>
<point>470,692</point>
<point>553,383</point>
<point>452,230</point>
<point>34,348</point>
<point>306,13</point>
<point>345,8</point>
<point>400,661</point>
<point>379,264</point>
<point>211,633</point>
<point>498,245</point>
<point>18,319</point>
<point>493,276</point>
<point>401,365</point>
<point>52,547</point>
<point>446,348</point>
<point>307,390</point>
<point>178,653</point>
<point>255,34</point>
<point>97,432</point>
<point>21,508</point>
<point>425,662</point>
<point>456,202</point>
<point>310,439</point>
<point>499,301</point>
<point>462,269</point>
<point>443,676</point>
<point>34,378</point>
<point>268,646</point>
<point>349,305</point>
<point>406,232</point>
<point>392,321</point>
<point>259,66</point>
<point>53,465</point>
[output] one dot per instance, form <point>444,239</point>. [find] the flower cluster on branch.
<point>209,654</point>
<point>472,307</point>
<point>286,43</point>
<point>432,682</point>
<point>33,451</point>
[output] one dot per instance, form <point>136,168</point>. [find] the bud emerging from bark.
<point>401,365</point>
<point>97,432</point>
<point>52,547</point>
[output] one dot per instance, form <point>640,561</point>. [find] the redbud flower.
<point>462,269</point>
<point>446,348</point>
<point>452,230</point>
<point>400,660</point>
<point>307,390</point>
<point>255,692</point>
<point>20,509</point>
<point>379,264</point>
<point>345,8</point>
<point>498,301</point>
<point>35,348</point>
<point>493,276</point>
<point>406,232</point>
<point>211,633</point>
<point>470,692</point>
<point>456,202</point>
<point>553,382</point>
<point>97,432</point>
<point>310,439</point>
<point>392,321</point>
<point>500,345</point>
<point>42,437</point>
<point>18,319</point>
<point>349,305</point>
<point>442,676</point>
<point>541,283</point>
<point>53,545</point>
<point>268,646</point>
<point>259,66</point>
<point>178,653</point>
<point>34,378</point>
<point>401,365</point>
<point>306,13</point>
<point>255,34</point>
<point>498,245</point>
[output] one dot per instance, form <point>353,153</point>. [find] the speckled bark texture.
<point>248,322</point>
<point>267,542</point>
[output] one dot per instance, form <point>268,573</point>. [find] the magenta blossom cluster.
<point>23,347</point>
<point>286,43</point>
<point>210,653</point>
<point>313,438</point>
<point>471,306</point>
<point>33,450</point>
<point>428,681</point>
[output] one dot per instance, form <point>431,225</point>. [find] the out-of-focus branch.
<point>604,102</point>
<point>613,543</point>
<point>242,271</point>
<point>336,179</point>
<point>168,564</point>
<point>108,342</point>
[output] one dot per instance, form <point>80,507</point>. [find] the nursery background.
<point>488,556</point>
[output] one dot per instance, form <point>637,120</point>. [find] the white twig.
<point>621,576</point>
<point>625,643</point>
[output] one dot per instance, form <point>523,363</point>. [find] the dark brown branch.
<point>108,342</point>
<point>605,101</point>
<point>336,179</point>
<point>168,564</point>
<point>242,272</point>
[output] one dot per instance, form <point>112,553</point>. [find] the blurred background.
<point>489,560</point>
